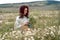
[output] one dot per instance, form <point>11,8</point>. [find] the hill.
<point>38,5</point>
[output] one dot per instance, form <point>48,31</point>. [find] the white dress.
<point>20,21</point>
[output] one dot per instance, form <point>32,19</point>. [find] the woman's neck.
<point>21,16</point>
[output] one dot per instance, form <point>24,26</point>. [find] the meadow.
<point>44,18</point>
<point>45,25</point>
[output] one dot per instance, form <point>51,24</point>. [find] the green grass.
<point>39,22</point>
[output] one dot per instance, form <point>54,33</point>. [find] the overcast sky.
<point>18,1</point>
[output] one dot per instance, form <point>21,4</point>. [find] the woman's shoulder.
<point>17,17</point>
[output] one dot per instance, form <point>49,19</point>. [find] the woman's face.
<point>25,11</point>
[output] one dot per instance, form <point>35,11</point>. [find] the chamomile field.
<point>45,25</point>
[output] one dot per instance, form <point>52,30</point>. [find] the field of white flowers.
<point>45,26</point>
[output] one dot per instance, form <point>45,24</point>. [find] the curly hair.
<point>21,11</point>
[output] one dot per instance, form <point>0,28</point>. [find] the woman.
<point>22,21</point>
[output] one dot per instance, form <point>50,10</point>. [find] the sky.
<point>18,1</point>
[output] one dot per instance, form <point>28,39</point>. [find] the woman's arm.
<point>26,21</point>
<point>17,24</point>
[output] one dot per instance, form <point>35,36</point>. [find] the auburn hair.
<point>21,11</point>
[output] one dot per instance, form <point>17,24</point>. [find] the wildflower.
<point>16,37</point>
<point>52,34</point>
<point>29,39</point>
<point>28,33</point>
<point>13,32</point>
<point>59,32</point>
<point>32,37</point>
<point>4,36</point>
<point>35,17</point>
<point>25,38</point>
<point>1,22</point>
<point>42,38</point>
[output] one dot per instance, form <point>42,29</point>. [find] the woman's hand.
<point>25,24</point>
